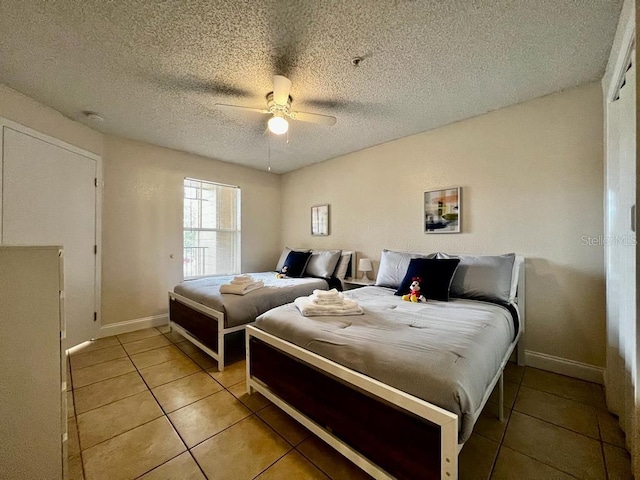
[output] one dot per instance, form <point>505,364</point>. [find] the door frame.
<point>620,55</point>
<point>6,123</point>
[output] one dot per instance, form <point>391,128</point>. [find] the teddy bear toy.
<point>414,296</point>
<point>283,272</point>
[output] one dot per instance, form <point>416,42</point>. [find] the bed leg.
<point>520,353</point>
<point>221,351</point>
<point>501,401</point>
<point>247,338</point>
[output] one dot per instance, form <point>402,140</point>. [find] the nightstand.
<point>351,283</point>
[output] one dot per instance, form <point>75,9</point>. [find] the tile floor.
<point>149,405</point>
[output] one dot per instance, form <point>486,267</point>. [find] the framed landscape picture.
<point>442,209</point>
<point>320,220</point>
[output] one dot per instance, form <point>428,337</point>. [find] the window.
<point>211,228</point>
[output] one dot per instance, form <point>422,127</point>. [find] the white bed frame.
<point>210,312</point>
<point>447,421</point>
<point>220,319</point>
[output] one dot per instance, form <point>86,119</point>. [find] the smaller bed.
<point>204,316</point>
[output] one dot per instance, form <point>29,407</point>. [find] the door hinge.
<point>95,249</point>
<point>95,316</point>
<point>95,181</point>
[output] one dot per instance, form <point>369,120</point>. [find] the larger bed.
<point>203,315</point>
<point>398,389</point>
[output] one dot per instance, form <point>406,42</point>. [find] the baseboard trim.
<point>564,366</point>
<point>132,325</point>
<point>551,363</point>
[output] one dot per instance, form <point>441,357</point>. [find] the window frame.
<point>237,232</point>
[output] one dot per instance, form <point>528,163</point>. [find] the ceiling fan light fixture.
<point>278,125</point>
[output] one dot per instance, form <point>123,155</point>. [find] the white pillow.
<point>394,265</point>
<point>343,266</point>
<point>515,276</point>
<point>483,277</point>
<point>322,263</point>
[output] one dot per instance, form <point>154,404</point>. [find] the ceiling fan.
<point>279,107</point>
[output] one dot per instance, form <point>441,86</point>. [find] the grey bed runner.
<point>242,309</point>
<point>446,353</point>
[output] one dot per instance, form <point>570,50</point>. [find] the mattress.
<point>243,309</point>
<point>446,353</point>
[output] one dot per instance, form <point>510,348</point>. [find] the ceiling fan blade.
<point>237,107</point>
<point>281,89</point>
<point>191,83</point>
<point>313,118</point>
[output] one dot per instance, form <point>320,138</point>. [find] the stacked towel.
<point>327,297</point>
<point>242,279</point>
<point>309,309</point>
<point>241,285</point>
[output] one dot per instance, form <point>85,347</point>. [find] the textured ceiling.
<point>155,69</point>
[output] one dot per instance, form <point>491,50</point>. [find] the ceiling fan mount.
<point>279,107</point>
<point>274,107</point>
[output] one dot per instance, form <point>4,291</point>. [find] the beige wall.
<point>142,222</point>
<point>538,164</point>
<point>142,209</point>
<point>21,109</point>
<point>532,178</point>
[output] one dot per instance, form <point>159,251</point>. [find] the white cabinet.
<point>33,415</point>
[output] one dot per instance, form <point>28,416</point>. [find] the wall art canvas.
<point>442,209</point>
<point>320,220</point>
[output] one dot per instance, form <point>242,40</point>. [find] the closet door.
<point>621,234</point>
<point>627,248</point>
<point>49,198</point>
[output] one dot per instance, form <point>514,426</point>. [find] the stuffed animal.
<point>283,272</point>
<point>414,296</point>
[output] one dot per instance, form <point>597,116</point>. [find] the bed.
<point>204,316</point>
<point>398,389</point>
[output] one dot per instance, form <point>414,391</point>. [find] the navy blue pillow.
<point>436,275</point>
<point>296,263</point>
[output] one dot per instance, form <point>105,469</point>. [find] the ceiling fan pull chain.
<point>268,150</point>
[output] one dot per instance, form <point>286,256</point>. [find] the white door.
<point>49,198</point>
<point>621,248</point>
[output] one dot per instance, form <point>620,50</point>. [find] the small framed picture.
<point>320,220</point>
<point>442,209</point>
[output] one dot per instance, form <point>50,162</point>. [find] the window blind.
<point>211,228</point>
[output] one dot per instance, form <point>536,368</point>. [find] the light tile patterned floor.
<point>148,405</point>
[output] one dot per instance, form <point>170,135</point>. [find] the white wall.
<point>532,178</point>
<point>142,222</point>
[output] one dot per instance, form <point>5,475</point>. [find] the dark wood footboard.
<point>201,326</point>
<point>396,440</point>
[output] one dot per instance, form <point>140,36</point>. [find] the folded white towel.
<point>327,300</point>
<point>310,309</point>
<point>242,279</point>
<point>326,293</point>
<point>241,289</point>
